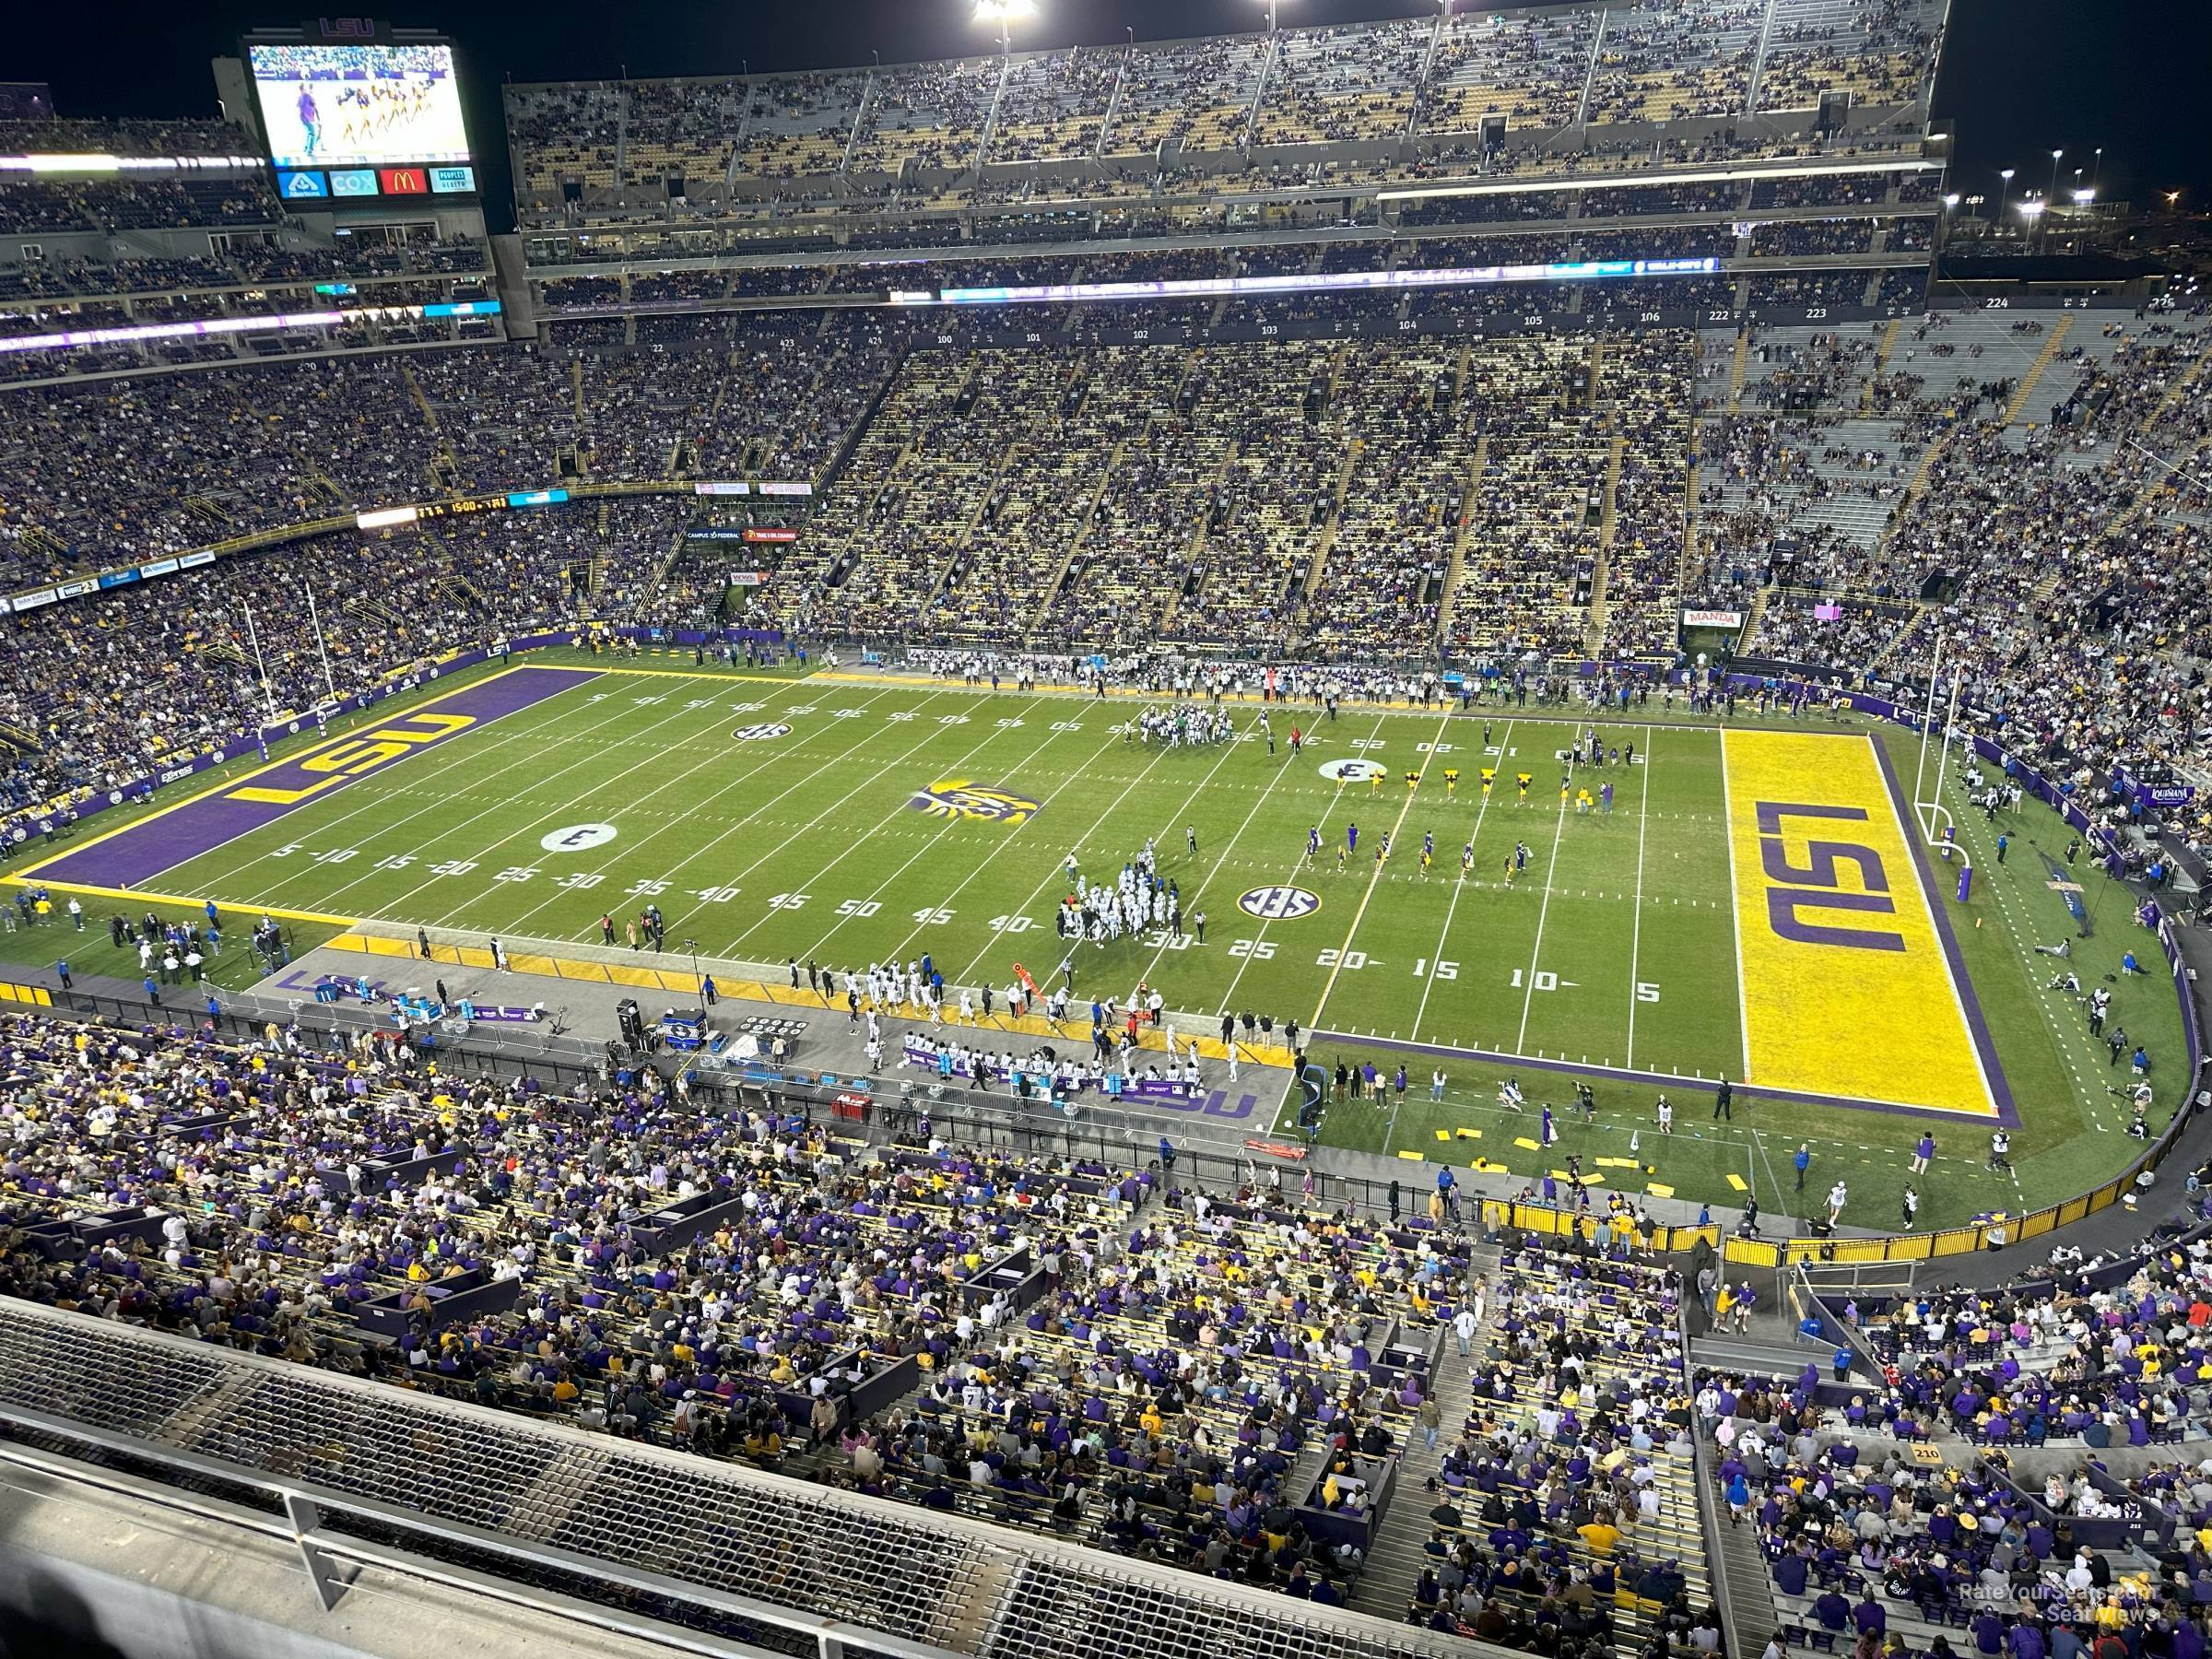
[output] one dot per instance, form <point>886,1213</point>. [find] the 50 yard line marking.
<point>1505,744</point>
<point>965,759</point>
<point>1643,821</point>
<point>984,862</point>
<point>1330,984</point>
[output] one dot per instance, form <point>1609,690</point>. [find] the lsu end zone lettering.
<point>350,757</point>
<point>1847,990</point>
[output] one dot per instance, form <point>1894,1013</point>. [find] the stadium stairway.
<point>1897,641</point>
<point>1050,590</point>
<point>1458,566</point>
<point>1309,578</point>
<point>1881,362</point>
<point>1609,524</point>
<point>1195,551</point>
<point>1395,1558</point>
<point>2052,341</point>
<point>1742,1574</point>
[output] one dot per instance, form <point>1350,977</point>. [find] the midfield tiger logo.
<point>964,797</point>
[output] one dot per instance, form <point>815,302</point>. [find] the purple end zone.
<point>168,839</point>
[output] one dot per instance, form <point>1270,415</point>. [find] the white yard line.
<point>1644,824</point>
<point>1396,831</point>
<point>1559,838</point>
<point>394,908</point>
<point>1444,937</point>
<point>1227,997</point>
<point>688,816</point>
<point>930,842</point>
<point>854,845</point>
<point>716,757</point>
<point>1736,914</point>
<point>1221,859</point>
<point>1054,873</point>
<point>371,801</point>
<point>444,803</point>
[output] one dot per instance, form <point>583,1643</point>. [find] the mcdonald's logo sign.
<point>404,181</point>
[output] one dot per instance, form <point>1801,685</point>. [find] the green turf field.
<point>1616,947</point>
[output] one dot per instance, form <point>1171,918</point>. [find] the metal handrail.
<point>1014,1578</point>
<point>302,1528</point>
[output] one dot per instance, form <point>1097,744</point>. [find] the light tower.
<point>1004,13</point>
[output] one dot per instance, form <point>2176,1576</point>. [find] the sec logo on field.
<point>753,733</point>
<point>1279,903</point>
<point>576,838</point>
<point>1351,771</point>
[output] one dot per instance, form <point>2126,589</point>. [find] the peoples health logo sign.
<point>987,803</point>
<point>1279,903</point>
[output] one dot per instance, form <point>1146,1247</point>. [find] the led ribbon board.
<point>1201,288</point>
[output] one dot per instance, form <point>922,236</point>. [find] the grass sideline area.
<point>93,952</point>
<point>853,817</point>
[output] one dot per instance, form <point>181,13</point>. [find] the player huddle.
<point>1138,900</point>
<point>1178,727</point>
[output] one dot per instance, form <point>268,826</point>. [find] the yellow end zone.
<point>1847,991</point>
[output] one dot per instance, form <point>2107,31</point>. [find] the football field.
<point>1750,904</point>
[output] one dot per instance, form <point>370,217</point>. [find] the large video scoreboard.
<point>355,112</point>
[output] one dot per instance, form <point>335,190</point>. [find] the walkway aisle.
<point>1385,1587</point>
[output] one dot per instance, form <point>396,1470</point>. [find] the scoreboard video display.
<point>361,122</point>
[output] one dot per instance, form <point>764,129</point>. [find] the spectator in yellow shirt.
<point>1599,1535</point>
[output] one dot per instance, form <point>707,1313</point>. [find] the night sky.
<point>2020,78</point>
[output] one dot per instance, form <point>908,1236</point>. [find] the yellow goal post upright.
<point>1927,803</point>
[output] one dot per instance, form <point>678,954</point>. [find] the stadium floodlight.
<point>1004,14</point>
<point>2032,207</point>
<point>1270,4</point>
<point>1951,200</point>
<point>2082,198</point>
<point>2005,174</point>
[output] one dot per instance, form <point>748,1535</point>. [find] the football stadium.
<point>1373,837</point>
